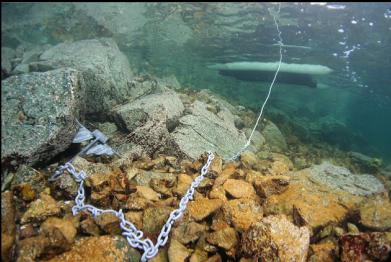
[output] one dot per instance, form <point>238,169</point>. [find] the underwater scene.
<point>196,132</point>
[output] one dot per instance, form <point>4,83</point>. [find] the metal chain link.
<point>130,232</point>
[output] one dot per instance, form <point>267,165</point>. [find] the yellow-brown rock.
<point>315,204</point>
<point>153,220</point>
<point>98,181</point>
<point>219,221</point>
<point>252,176</point>
<point>280,165</point>
<point>136,218</point>
<point>131,172</point>
<point>239,188</point>
<point>199,256</point>
<point>31,248</point>
<point>242,213</point>
<point>216,166</point>
<point>40,209</point>
<point>266,186</point>
<point>26,191</point>
<point>227,172</point>
<point>275,238</point>
<point>188,232</point>
<point>202,208</point>
<point>60,232</point>
<point>162,186</point>
<point>218,193</point>
<point>248,159</point>
<point>7,225</point>
<point>109,223</point>
<point>147,193</point>
<point>136,203</point>
<point>99,249</point>
<point>225,238</point>
<point>177,252</point>
<point>326,252</point>
<point>88,226</point>
<point>375,214</point>
<point>184,182</point>
<point>214,258</point>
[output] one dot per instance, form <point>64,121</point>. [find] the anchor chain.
<point>130,232</point>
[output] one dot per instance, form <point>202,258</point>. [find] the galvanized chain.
<point>132,234</point>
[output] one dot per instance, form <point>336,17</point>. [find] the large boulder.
<point>134,114</point>
<point>274,138</point>
<point>202,130</point>
<point>105,69</point>
<point>7,54</point>
<point>340,179</point>
<point>323,194</point>
<point>38,112</point>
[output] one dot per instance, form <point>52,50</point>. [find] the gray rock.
<point>107,128</point>
<point>20,69</point>
<point>7,54</point>
<point>38,112</point>
<point>27,174</point>
<point>202,130</point>
<point>239,123</point>
<point>105,70</point>
<point>135,114</point>
<point>144,177</point>
<point>170,82</point>
<point>274,137</point>
<point>33,54</point>
<point>341,179</point>
<point>366,163</point>
<point>154,137</point>
<point>257,140</point>
<point>208,96</point>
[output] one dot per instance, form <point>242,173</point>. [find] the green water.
<point>181,39</point>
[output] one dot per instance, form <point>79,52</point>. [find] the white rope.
<point>280,44</point>
<point>131,233</point>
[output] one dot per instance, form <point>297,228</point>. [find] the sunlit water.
<point>182,39</point>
